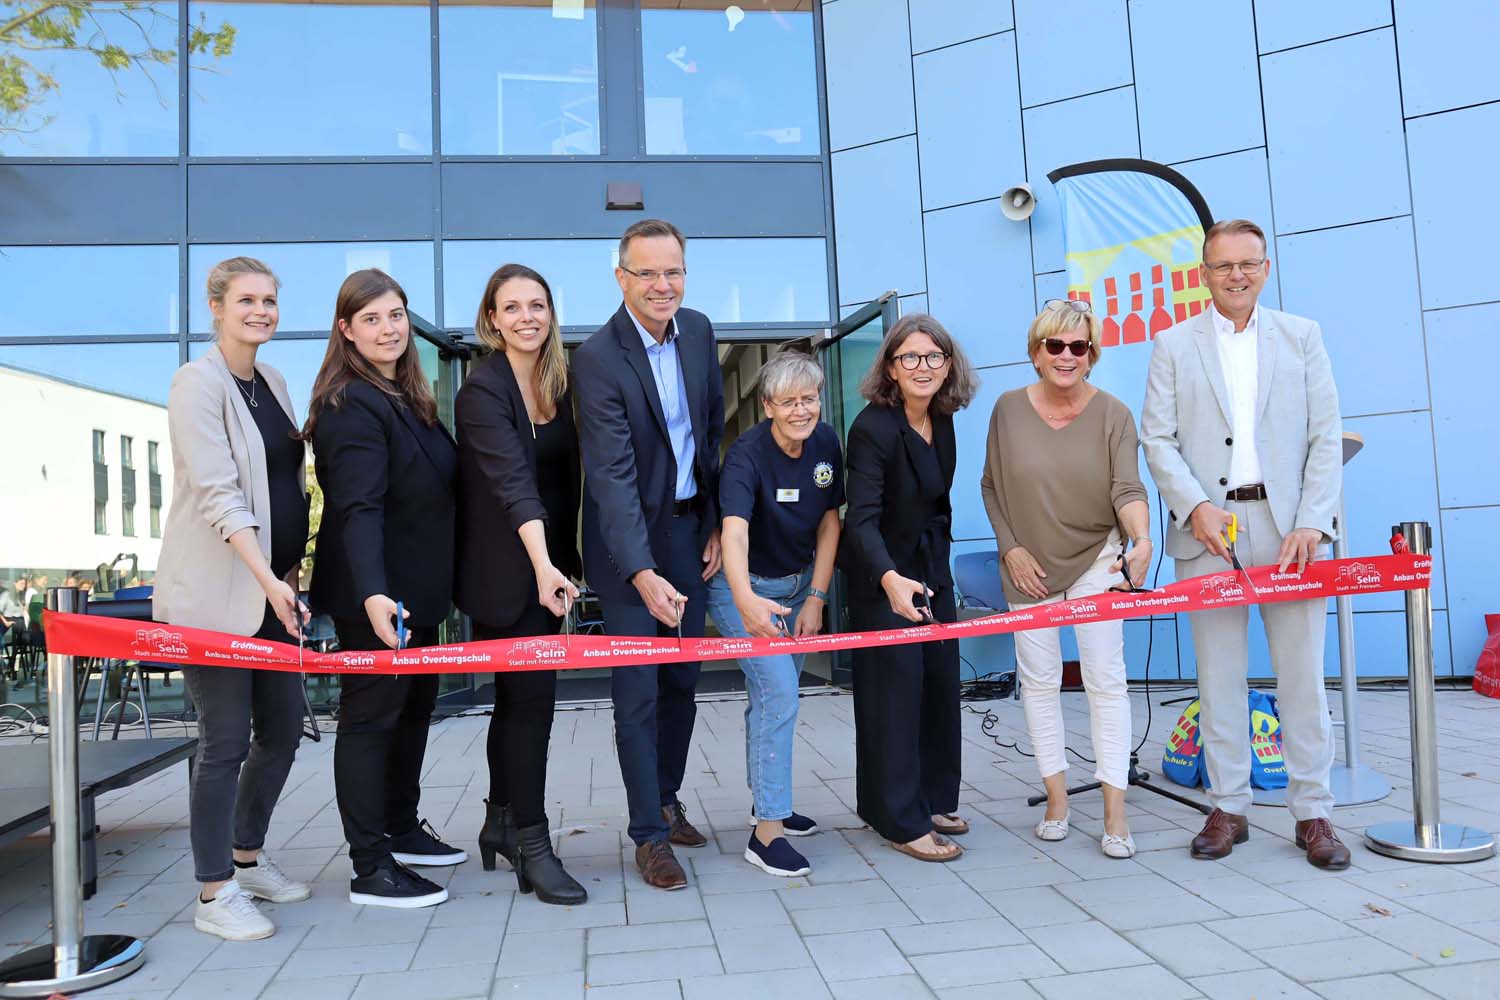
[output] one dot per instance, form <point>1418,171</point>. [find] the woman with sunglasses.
<point>1062,488</point>
<point>897,531</point>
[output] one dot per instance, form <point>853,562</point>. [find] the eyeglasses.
<point>808,403</point>
<point>1055,347</point>
<point>1226,268</point>
<point>1077,305</point>
<point>911,360</point>
<point>673,275</point>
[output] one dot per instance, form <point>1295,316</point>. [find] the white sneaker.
<point>267,881</point>
<point>232,915</point>
<point>1052,829</point>
<point>1117,847</point>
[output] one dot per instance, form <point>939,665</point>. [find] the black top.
<point>284,458</point>
<point>630,473</point>
<point>899,515</point>
<point>508,477</point>
<point>556,458</point>
<point>388,508</point>
<point>783,498</point>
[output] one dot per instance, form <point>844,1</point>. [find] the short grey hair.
<point>786,371</point>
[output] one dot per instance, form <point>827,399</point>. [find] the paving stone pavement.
<point>1013,918</point>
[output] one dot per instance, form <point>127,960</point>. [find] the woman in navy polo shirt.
<point>780,490</point>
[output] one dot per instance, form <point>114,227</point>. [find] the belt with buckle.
<point>1245,494</point>
<point>683,508</point>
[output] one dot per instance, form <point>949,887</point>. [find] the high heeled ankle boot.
<point>538,868</point>
<point>498,835</point>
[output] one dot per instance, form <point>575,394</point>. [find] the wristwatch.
<point>821,595</point>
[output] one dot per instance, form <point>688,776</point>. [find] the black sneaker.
<point>776,858</point>
<point>394,884</point>
<point>795,825</point>
<point>421,846</point>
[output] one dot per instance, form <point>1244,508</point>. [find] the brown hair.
<point>650,227</point>
<point>958,388</point>
<point>343,363</point>
<point>1231,227</point>
<point>222,275</point>
<point>552,364</point>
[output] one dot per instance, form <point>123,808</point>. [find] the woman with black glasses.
<point>1063,491</point>
<point>897,531</point>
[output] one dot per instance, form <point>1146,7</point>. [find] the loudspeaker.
<point>1017,203</point>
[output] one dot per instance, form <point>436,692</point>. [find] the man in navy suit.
<point>651,417</point>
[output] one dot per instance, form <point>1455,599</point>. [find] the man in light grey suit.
<point>1242,419</point>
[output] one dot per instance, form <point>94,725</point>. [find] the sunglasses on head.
<point>1055,347</point>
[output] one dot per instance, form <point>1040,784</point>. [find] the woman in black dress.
<point>518,516</point>
<point>897,531</point>
<point>388,470</point>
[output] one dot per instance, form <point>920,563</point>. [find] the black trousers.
<point>521,727</point>
<point>907,738</point>
<point>654,706</point>
<point>382,741</point>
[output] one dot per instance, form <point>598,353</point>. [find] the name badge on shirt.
<point>787,496</point>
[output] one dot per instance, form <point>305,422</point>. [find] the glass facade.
<point>722,79</point>
<point>508,99</point>
<point>307,79</point>
<point>435,139</point>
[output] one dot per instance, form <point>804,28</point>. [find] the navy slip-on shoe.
<point>795,825</point>
<point>776,858</point>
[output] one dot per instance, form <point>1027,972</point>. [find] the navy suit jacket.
<point>629,471</point>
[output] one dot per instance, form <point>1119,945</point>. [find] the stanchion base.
<point>1350,787</point>
<point>1452,843</point>
<point>102,959</point>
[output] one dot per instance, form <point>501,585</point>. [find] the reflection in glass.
<point>78,291</point>
<point>70,409</point>
<point>93,79</point>
<point>316,80</point>
<point>310,276</point>
<point>731,280</point>
<point>735,78</point>
<point>537,98</point>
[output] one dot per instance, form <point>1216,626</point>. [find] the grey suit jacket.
<point>218,488</point>
<point>1186,430</point>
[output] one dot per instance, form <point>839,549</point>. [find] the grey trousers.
<point>249,725</point>
<point>1295,632</point>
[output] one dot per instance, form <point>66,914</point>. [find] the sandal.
<point>955,826</point>
<point>948,850</point>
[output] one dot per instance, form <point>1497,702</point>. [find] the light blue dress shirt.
<point>671,389</point>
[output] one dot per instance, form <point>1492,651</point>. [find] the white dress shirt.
<point>1239,360</point>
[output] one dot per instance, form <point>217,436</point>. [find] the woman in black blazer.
<point>897,529</point>
<point>518,521</point>
<point>387,468</point>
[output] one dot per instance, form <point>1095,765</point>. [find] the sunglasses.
<point>1055,347</point>
<point>1077,305</point>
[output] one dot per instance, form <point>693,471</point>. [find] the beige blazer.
<point>218,488</point>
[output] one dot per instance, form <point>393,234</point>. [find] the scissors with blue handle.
<point>403,635</point>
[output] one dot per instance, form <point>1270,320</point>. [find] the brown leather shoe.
<point>659,866</point>
<point>683,832</point>
<point>1222,831</point>
<point>1324,849</point>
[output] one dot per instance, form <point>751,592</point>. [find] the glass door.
<point>847,352</point>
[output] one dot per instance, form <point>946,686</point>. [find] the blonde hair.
<point>222,275</point>
<point>552,364</point>
<point>1057,318</point>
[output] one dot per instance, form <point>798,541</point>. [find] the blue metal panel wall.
<point>1301,116</point>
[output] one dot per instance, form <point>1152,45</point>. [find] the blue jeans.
<point>771,682</point>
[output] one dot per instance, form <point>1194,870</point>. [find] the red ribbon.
<point>97,635</point>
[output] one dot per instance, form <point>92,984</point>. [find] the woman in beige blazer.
<point>234,540</point>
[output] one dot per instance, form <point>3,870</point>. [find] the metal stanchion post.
<point>72,962</point>
<point>1426,837</point>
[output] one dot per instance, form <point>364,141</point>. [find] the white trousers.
<point>1101,654</point>
<point>1221,641</point>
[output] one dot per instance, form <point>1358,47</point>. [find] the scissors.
<point>403,635</point>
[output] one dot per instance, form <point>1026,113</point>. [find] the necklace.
<point>926,422</point>
<point>249,396</point>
